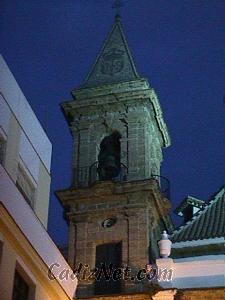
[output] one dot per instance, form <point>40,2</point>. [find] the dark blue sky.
<point>178,44</point>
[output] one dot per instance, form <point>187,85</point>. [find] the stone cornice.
<point>114,196</point>
<point>93,102</point>
<point>105,189</point>
<point>102,90</point>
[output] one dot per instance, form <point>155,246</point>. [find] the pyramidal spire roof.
<point>114,62</point>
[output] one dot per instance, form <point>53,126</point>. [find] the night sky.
<point>178,45</point>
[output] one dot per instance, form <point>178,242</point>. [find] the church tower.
<point>117,205</point>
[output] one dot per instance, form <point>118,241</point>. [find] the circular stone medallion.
<point>109,222</point>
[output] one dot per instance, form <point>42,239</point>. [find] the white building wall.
<point>194,272</point>
<point>27,145</point>
<point>19,106</point>
<point>24,242</point>
<point>38,238</point>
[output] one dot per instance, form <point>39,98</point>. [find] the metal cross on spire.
<point>117,5</point>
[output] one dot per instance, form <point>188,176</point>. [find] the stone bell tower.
<point>116,205</point>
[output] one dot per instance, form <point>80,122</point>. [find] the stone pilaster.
<point>71,245</point>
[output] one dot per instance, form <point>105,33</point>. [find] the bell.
<point>109,169</point>
<point>109,157</point>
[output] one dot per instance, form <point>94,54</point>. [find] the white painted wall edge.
<point>35,232</point>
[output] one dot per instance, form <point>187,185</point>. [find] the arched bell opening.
<point>109,157</point>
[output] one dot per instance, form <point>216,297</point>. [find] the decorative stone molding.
<point>164,295</point>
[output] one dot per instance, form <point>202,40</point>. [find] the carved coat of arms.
<point>112,61</point>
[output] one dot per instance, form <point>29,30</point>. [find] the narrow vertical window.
<point>25,186</point>
<point>1,247</point>
<point>20,288</point>
<point>2,149</point>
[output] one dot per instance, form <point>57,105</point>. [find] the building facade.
<point>26,250</point>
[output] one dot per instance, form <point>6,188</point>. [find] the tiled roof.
<point>206,224</point>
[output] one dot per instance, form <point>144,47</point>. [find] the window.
<point>20,288</point>
<point>1,248</point>
<point>23,286</point>
<point>2,149</point>
<point>25,185</point>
